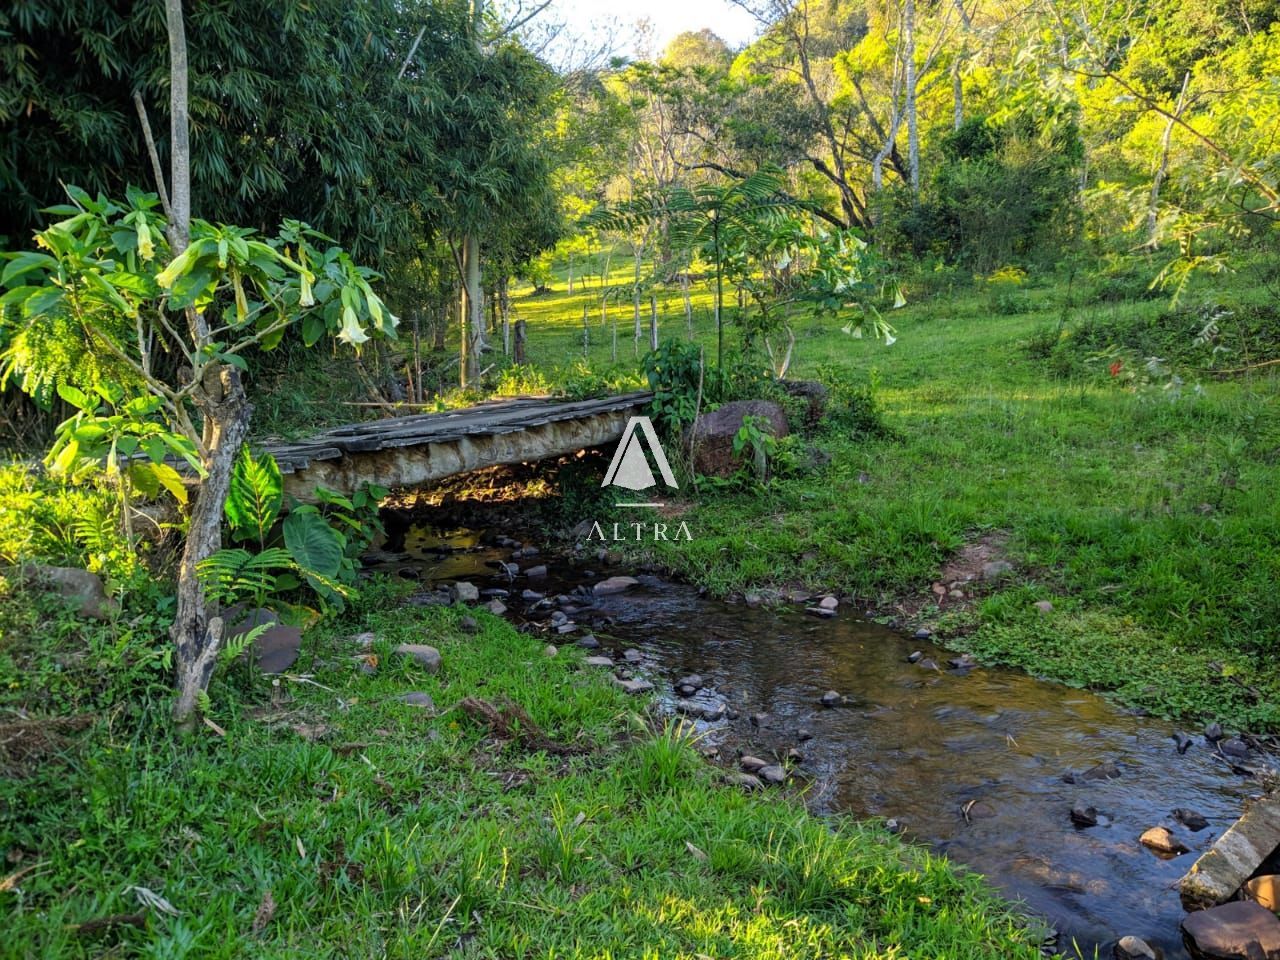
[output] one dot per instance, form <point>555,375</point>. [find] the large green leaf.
<point>316,547</point>
<point>256,493</point>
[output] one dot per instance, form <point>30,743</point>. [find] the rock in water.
<point>1241,930</point>
<point>831,699</point>
<point>713,434</point>
<point>1134,948</point>
<point>1234,747</point>
<point>1193,821</point>
<point>425,656</point>
<point>614,585</point>
<point>1103,771</point>
<point>537,572</point>
<point>1161,840</point>
<point>1083,816</point>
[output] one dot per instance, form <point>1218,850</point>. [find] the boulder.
<point>614,585</point>
<point>277,648</point>
<point>84,589</point>
<point>425,656</point>
<point>713,434</point>
<point>1234,931</point>
<point>1234,857</point>
<point>813,393</point>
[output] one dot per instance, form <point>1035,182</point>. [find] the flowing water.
<point>970,762</point>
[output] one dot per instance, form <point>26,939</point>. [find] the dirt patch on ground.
<point>974,571</point>
<point>28,741</point>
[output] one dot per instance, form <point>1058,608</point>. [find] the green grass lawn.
<point>326,818</point>
<point>1149,517</point>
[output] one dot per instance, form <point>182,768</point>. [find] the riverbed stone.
<point>632,655</point>
<point>747,781</point>
<point>752,764</point>
<point>1134,948</point>
<point>465,592</point>
<point>803,734</point>
<point>773,773</point>
<point>1102,771</point>
<point>701,711</point>
<point>693,682</point>
<point>1213,732</point>
<point>1235,856</point>
<point>1162,840</point>
<point>924,633</point>
<point>604,662</point>
<point>1193,821</point>
<point>496,607</point>
<point>1264,891</point>
<point>536,572</point>
<point>1083,816</point>
<point>821,611</point>
<point>589,642</point>
<point>831,699</point>
<point>424,656</point>
<point>829,603</point>
<point>634,686</point>
<point>614,585</point>
<point>1234,747</point>
<point>1241,930</point>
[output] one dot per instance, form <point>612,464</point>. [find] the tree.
<point>110,282</point>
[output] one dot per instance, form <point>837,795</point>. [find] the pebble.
<point>468,624</point>
<point>1193,821</point>
<point>924,633</point>
<point>1134,948</point>
<point>1083,816</point>
<point>773,773</point>
<point>589,642</point>
<point>465,592</point>
<point>828,603</point>
<point>599,662</point>
<point>831,699</point>
<point>497,607</point>
<point>418,699</point>
<point>634,687</point>
<point>631,655</point>
<point>550,650</point>
<point>747,781</point>
<point>752,764</point>
<point>537,572</point>
<point>915,656</point>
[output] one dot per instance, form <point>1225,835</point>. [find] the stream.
<point>974,763</point>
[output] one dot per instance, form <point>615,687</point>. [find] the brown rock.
<point>752,764</point>
<point>1161,840</point>
<point>1241,930</point>
<point>1264,891</point>
<point>614,585</point>
<point>713,434</point>
<point>1134,948</point>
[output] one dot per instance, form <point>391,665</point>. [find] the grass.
<point>328,818</point>
<point>1146,515</point>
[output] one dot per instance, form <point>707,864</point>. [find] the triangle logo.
<point>630,466</point>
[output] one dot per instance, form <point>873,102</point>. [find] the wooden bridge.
<point>419,449</point>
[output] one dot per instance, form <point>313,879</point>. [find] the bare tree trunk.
<point>957,98</point>
<point>504,306</point>
<point>586,332</point>
<point>1162,168</point>
<point>635,311</point>
<point>653,321</point>
<point>473,309</point>
<point>910,83</point>
<point>571,273</point>
<point>688,303</point>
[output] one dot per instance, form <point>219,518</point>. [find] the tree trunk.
<point>571,273</point>
<point>504,307</point>
<point>1162,169</point>
<point>473,309</point>
<point>196,634</point>
<point>957,98</point>
<point>520,342</point>
<point>911,82</point>
<point>653,321</point>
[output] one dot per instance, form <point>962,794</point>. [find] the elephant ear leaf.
<point>316,547</point>
<point>255,496</point>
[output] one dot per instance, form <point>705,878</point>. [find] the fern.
<point>238,644</point>
<point>234,574</point>
<point>255,496</point>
